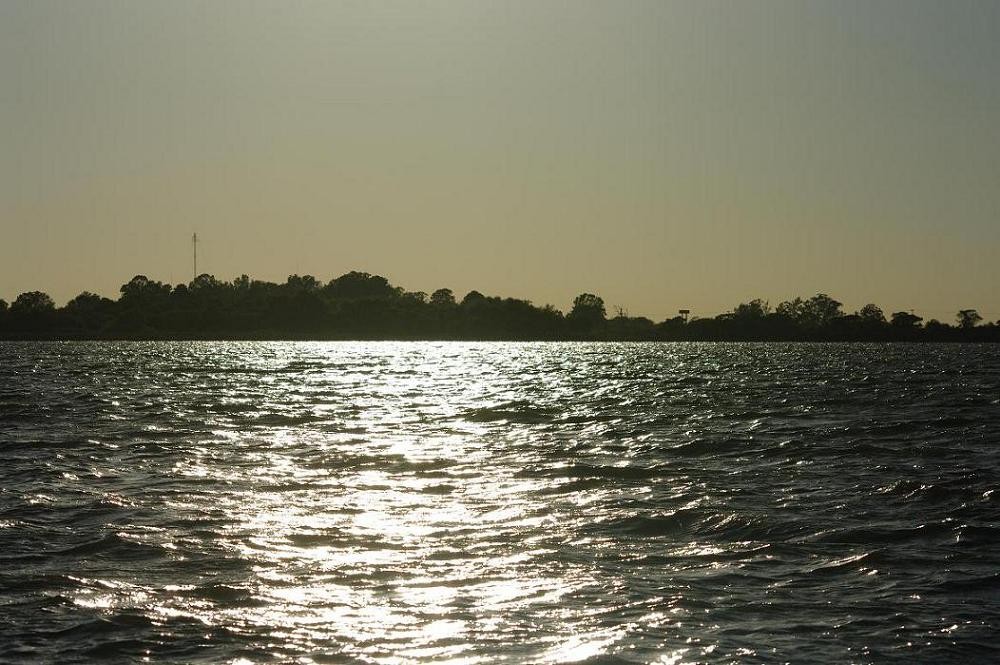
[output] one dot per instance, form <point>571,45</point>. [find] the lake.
<point>521,503</point>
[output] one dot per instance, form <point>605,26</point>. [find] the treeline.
<point>363,306</point>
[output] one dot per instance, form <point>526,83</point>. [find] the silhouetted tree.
<point>791,309</point>
<point>820,310</point>
<point>141,289</point>
<point>968,318</point>
<point>587,317</point>
<point>588,308</point>
<point>86,301</point>
<point>631,328</point>
<point>755,309</point>
<point>672,329</point>
<point>906,320</point>
<point>33,312</point>
<point>304,283</point>
<point>443,298</point>
<point>871,313</point>
<point>3,305</point>
<point>359,286</point>
<point>472,298</point>
<point>938,330</point>
<point>205,282</point>
<point>32,302</point>
<point>89,312</point>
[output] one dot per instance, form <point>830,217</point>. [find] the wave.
<point>522,413</point>
<point>111,545</point>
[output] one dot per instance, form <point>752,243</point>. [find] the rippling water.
<point>524,503</point>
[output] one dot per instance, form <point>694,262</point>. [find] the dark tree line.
<point>363,306</point>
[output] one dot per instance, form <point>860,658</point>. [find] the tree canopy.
<point>359,305</point>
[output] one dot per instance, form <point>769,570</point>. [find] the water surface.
<point>520,503</point>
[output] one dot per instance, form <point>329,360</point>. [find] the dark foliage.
<point>359,305</point>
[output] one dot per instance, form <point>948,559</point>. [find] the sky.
<point>661,154</point>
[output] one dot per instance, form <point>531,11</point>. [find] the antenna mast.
<point>194,244</point>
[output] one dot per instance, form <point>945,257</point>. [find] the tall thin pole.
<point>194,244</point>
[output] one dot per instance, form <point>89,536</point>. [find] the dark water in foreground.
<point>522,503</point>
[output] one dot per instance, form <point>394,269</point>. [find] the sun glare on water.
<point>384,517</point>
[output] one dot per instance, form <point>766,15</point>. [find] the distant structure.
<point>194,245</point>
<point>684,314</point>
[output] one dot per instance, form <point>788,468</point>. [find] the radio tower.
<point>194,245</point>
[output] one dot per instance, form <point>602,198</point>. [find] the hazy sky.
<point>661,154</point>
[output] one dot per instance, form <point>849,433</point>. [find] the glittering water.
<point>522,503</point>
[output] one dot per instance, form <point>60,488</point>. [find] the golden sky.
<point>661,154</point>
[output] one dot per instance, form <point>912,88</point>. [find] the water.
<point>520,503</point>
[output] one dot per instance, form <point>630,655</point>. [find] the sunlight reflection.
<point>396,521</point>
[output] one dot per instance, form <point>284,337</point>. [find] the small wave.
<point>104,625</point>
<point>980,584</point>
<point>32,583</point>
<point>928,492</point>
<point>227,594</point>
<point>899,488</point>
<point>522,413</point>
<point>283,420</point>
<point>706,448</point>
<point>573,486</point>
<point>327,537</point>
<point>111,545</point>
<point>843,564</point>
<point>978,534</point>
<point>584,471</point>
<point>884,536</point>
<point>439,490</point>
<point>687,521</point>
